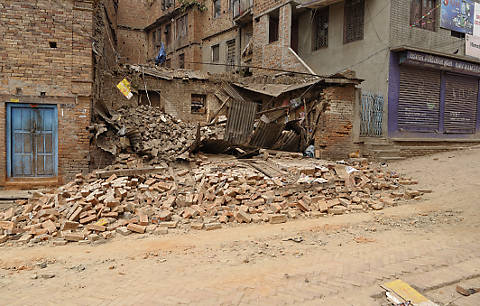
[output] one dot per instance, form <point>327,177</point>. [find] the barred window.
<point>320,29</point>
<point>354,20</point>
<point>423,14</point>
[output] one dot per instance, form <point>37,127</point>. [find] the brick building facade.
<point>46,80</point>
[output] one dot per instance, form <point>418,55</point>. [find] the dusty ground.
<point>341,260</point>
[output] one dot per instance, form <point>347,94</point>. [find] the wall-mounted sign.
<point>476,20</point>
<point>457,15</point>
<point>472,46</point>
<point>439,62</point>
<point>125,87</point>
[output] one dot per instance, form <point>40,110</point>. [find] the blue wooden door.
<point>33,148</point>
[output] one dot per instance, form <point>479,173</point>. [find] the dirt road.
<point>340,260</point>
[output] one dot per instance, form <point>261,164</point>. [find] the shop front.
<point>432,96</point>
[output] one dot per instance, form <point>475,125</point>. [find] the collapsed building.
<point>80,106</point>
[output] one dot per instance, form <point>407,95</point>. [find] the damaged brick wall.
<point>175,95</point>
<point>275,54</point>
<point>336,135</point>
<point>46,56</point>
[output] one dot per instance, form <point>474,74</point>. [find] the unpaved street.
<point>432,244</point>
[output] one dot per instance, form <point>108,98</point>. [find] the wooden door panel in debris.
<point>241,117</point>
<point>33,132</point>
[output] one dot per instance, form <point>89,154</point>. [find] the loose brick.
<point>136,228</point>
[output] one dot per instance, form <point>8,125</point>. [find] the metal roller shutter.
<point>419,100</point>
<point>461,94</point>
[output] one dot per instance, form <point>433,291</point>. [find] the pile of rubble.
<point>154,134</point>
<point>211,194</point>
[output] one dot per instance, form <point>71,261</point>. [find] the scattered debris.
<point>204,195</point>
<point>466,292</point>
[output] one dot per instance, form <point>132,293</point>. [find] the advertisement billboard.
<point>457,15</point>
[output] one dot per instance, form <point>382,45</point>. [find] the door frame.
<point>9,152</point>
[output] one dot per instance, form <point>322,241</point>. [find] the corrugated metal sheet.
<point>275,90</point>
<point>241,117</point>
<point>461,93</point>
<point>232,92</point>
<point>419,100</point>
<point>266,134</point>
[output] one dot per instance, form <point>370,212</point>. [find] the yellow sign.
<point>405,291</point>
<point>125,87</point>
<point>14,100</point>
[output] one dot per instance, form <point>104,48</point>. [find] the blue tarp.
<point>161,57</point>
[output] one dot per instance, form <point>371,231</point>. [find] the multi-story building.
<point>419,82</point>
<point>408,60</point>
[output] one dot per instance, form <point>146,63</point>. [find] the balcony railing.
<point>241,6</point>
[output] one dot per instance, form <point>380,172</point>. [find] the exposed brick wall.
<point>175,95</point>
<point>64,73</point>
<point>132,46</point>
<point>276,54</point>
<point>334,137</point>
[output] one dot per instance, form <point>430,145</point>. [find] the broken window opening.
<point>152,94</point>
<point>354,20</point>
<point>217,8</point>
<point>181,61</point>
<point>198,104</point>
<point>168,34</point>
<point>215,53</point>
<point>273,25</point>
<point>52,44</point>
<point>320,28</point>
<point>181,27</point>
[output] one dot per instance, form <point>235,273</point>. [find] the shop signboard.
<point>458,15</point>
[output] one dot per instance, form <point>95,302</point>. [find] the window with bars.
<point>198,104</point>
<point>320,28</point>
<point>354,20</point>
<point>231,54</point>
<point>423,14</point>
